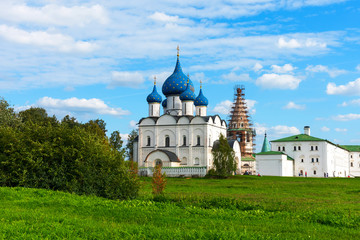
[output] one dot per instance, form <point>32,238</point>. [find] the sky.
<point>297,59</point>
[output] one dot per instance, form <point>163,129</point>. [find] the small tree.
<point>158,181</point>
<point>130,144</point>
<point>224,158</point>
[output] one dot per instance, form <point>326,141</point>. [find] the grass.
<point>243,207</point>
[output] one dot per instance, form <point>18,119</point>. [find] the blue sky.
<point>298,59</point>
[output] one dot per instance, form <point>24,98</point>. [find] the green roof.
<point>274,153</point>
<point>351,148</point>
<point>299,138</point>
<point>266,145</point>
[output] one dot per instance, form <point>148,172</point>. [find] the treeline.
<point>39,151</point>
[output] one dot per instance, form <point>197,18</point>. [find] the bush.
<point>44,153</point>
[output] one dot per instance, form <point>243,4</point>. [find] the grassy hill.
<point>241,207</point>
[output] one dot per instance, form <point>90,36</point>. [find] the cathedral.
<point>182,137</point>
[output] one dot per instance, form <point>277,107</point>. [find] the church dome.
<point>175,84</point>
<point>164,103</point>
<point>201,100</point>
<point>187,95</point>
<point>154,97</point>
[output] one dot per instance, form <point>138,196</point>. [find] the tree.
<point>7,115</point>
<point>224,158</point>
<point>158,181</point>
<point>130,144</point>
<point>37,115</point>
<point>116,142</point>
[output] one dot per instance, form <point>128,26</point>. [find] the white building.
<point>311,156</point>
<point>179,140</point>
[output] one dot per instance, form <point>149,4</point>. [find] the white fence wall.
<point>176,171</point>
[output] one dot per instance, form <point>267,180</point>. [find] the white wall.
<point>355,160</point>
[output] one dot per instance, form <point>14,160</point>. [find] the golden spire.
<point>154,80</point>
<point>178,50</point>
<point>200,84</point>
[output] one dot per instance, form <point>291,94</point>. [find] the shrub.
<point>158,181</point>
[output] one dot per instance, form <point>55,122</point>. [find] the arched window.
<point>314,172</point>
<point>167,141</point>
<point>283,149</point>
<point>197,161</point>
<point>279,148</point>
<point>248,137</point>
<point>148,141</point>
<point>198,140</point>
<point>184,140</point>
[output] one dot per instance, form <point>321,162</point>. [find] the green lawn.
<point>245,207</point>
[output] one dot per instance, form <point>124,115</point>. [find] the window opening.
<point>167,141</point>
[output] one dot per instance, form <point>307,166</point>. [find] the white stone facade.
<point>275,164</point>
<point>313,157</point>
<point>190,138</point>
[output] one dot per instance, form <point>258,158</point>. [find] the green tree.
<point>37,115</point>
<point>115,141</point>
<point>223,158</point>
<point>7,115</point>
<point>130,144</point>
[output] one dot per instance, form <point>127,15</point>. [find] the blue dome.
<point>201,100</point>
<point>154,96</point>
<point>164,103</point>
<point>176,83</point>
<point>187,94</point>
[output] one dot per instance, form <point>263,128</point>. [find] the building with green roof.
<point>311,156</point>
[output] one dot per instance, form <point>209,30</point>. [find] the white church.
<point>306,156</point>
<point>182,137</point>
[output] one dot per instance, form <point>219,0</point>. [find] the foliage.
<point>240,207</point>
<point>223,158</point>
<point>41,152</point>
<point>7,114</point>
<point>158,181</point>
<point>130,144</point>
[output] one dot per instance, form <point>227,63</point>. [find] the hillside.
<point>248,207</point>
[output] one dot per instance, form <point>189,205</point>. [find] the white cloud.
<point>292,105</point>
<point>351,88</point>
<point>257,67</point>
<point>276,131</point>
<point>53,14</point>
<point>292,43</point>
<point>355,102</point>
<point>325,129</point>
<point>233,77</point>
<point>273,80</point>
<point>133,124</point>
<point>334,72</point>
<point>340,129</point>
<point>223,107</point>
<point>75,105</point>
<point>127,79</point>
<point>346,117</point>
<point>124,137</point>
<point>161,77</point>
<point>358,68</point>
<point>301,43</point>
<point>162,17</point>
<point>282,69</point>
<point>55,41</point>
